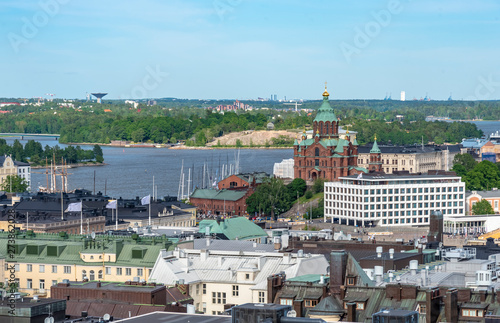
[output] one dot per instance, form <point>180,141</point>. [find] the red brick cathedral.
<point>326,155</point>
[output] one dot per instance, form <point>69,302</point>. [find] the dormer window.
<point>286,301</point>
<point>351,281</point>
<point>310,302</point>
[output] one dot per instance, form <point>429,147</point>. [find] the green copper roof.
<point>228,195</point>
<point>35,249</point>
<point>339,148</point>
<point>239,228</point>
<point>354,142</point>
<point>375,149</point>
<point>296,142</point>
<point>325,112</point>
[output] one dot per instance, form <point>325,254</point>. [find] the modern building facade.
<point>326,155</point>
<point>394,200</point>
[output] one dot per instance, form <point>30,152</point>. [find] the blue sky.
<point>244,49</point>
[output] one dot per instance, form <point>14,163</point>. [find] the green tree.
<point>318,185</point>
<point>270,198</point>
<point>484,176</point>
<point>98,153</point>
<point>14,183</point>
<point>137,135</point>
<point>482,207</point>
<point>296,187</point>
<point>465,160</point>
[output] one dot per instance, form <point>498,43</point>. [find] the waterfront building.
<point>491,151</point>
<point>43,260</point>
<point>415,159</point>
<point>229,199</point>
<point>217,278</point>
<point>399,199</point>
<point>327,155</point>
<point>9,166</point>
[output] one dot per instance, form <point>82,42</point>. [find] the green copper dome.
<point>325,111</point>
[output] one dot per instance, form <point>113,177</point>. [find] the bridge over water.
<point>22,135</point>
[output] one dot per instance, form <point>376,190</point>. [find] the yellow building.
<point>42,260</point>
<point>8,166</point>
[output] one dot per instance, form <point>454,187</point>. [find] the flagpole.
<point>81,218</point>
<point>116,216</point>
<point>153,187</point>
<point>149,212</point>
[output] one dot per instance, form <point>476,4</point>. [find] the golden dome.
<point>326,92</point>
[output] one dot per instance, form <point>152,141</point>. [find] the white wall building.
<point>393,200</point>
<point>218,277</point>
<point>284,169</point>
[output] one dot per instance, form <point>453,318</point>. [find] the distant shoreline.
<point>72,165</point>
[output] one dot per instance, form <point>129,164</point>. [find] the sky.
<point>245,49</point>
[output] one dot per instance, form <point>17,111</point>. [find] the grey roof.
<point>220,266</point>
<point>389,149</point>
<point>232,245</point>
<point>484,194</point>
<point>403,176</point>
<point>161,317</point>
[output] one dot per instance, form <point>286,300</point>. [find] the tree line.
<point>35,154</point>
<point>187,120</point>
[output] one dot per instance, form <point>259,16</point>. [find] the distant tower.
<point>450,99</point>
<point>403,96</point>
<point>99,96</point>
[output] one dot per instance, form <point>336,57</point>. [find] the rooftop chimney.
<point>379,252</point>
<point>391,253</point>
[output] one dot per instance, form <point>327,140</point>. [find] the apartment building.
<point>43,260</point>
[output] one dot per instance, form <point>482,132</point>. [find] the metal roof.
<point>212,194</point>
<point>239,228</point>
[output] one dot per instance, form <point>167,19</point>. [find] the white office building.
<point>399,199</point>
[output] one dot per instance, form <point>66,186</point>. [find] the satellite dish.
<point>106,317</point>
<point>291,313</point>
<point>92,235</point>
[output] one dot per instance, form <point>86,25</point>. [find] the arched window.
<point>334,164</point>
<point>99,274</point>
<point>326,126</point>
<point>321,127</point>
<point>84,274</point>
<point>92,275</point>
<point>316,151</point>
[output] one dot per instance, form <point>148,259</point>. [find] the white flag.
<point>74,207</point>
<point>360,176</point>
<point>146,200</point>
<point>111,204</point>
